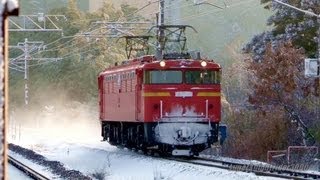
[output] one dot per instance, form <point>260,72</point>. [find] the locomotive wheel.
<point>164,150</point>
<point>139,138</point>
<point>111,135</point>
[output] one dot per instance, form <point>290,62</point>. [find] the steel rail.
<point>256,168</point>
<point>259,170</point>
<point>27,170</point>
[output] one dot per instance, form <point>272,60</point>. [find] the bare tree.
<point>277,81</point>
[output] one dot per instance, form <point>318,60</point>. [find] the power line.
<point>64,37</point>
<point>143,7</point>
<point>212,12</point>
<point>41,22</point>
<point>56,48</point>
<point>111,30</point>
<point>173,7</point>
<point>210,4</point>
<point>77,50</point>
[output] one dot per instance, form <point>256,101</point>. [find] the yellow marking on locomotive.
<point>212,94</point>
<point>155,94</point>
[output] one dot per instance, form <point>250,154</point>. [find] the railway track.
<point>27,170</point>
<point>260,170</point>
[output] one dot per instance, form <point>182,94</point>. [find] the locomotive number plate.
<point>184,94</point>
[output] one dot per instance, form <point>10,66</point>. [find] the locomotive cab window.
<point>202,77</point>
<point>162,77</point>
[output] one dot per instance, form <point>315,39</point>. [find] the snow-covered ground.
<point>16,174</point>
<point>78,147</point>
<point>101,158</point>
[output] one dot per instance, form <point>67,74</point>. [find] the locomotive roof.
<point>150,62</point>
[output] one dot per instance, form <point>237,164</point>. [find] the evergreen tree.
<point>288,25</point>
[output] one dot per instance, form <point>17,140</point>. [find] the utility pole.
<point>32,23</point>
<point>26,69</point>
<point>318,20</point>
<point>21,63</point>
<point>161,10</point>
<point>161,34</point>
<point>27,47</point>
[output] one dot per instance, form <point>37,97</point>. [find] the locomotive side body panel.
<point>118,95</point>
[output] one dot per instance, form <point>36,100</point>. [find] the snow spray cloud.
<point>59,118</point>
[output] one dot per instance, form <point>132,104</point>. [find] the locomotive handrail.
<point>160,109</point>
<point>207,108</point>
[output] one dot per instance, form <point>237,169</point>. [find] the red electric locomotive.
<point>171,103</point>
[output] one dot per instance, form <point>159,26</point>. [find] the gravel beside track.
<point>54,166</point>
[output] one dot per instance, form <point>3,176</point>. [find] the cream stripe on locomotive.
<point>211,94</point>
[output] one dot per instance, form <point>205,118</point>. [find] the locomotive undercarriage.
<point>146,136</point>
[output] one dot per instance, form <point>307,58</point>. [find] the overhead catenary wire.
<point>169,7</point>
<point>60,45</point>
<point>16,69</point>
<point>183,18</point>
<point>57,47</point>
<point>77,50</point>
<point>60,59</point>
<point>212,11</point>
<point>16,58</point>
<point>143,7</point>
<point>21,69</point>
<point>46,62</point>
<point>56,41</point>
<point>86,35</point>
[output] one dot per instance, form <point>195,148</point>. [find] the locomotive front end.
<point>181,100</point>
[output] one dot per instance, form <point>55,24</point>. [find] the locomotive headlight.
<point>162,63</point>
<point>203,64</point>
